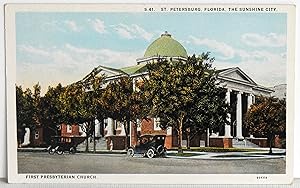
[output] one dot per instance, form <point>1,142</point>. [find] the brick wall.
<point>261,142</point>
<point>118,142</point>
<point>148,127</point>
<point>37,137</point>
<point>220,142</point>
<point>73,132</point>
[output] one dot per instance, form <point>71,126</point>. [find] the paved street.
<point>37,162</point>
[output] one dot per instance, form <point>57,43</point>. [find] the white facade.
<point>239,86</point>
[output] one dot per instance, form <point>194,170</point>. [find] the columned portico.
<point>239,116</point>
<point>228,126</point>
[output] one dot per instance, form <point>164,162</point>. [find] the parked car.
<point>61,144</point>
<point>149,145</point>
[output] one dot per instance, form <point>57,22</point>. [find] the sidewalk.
<point>90,151</point>
<point>262,154</point>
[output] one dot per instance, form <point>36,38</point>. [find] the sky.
<point>54,48</point>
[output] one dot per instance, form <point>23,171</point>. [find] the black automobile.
<point>61,144</point>
<point>149,146</point>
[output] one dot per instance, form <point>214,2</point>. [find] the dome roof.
<point>165,45</point>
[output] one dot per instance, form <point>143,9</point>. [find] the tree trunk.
<point>87,137</point>
<point>87,143</point>
<point>270,144</point>
<point>180,134</point>
<point>126,126</point>
<point>126,135</point>
<point>188,140</point>
<point>94,136</point>
<point>207,138</point>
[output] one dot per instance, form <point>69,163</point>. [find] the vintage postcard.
<point>150,93</point>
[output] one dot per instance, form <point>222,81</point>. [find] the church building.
<point>241,91</point>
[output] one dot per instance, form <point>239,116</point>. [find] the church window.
<point>69,129</point>
<point>36,135</point>
<point>156,124</point>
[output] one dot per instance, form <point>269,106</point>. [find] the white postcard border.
<point>13,175</point>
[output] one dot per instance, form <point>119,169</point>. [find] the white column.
<point>122,133</point>
<point>110,127</point>
<point>26,137</point>
<point>97,128</point>
<point>169,131</point>
<point>239,116</point>
<point>227,126</point>
<point>250,102</point>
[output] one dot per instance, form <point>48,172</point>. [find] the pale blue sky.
<point>64,47</point>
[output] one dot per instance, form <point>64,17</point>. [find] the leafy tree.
<point>209,110</point>
<point>24,107</point>
<point>186,91</point>
<point>37,109</point>
<point>94,91</point>
<point>79,104</point>
<point>28,109</point>
<point>267,118</point>
<point>116,100</point>
<point>51,116</point>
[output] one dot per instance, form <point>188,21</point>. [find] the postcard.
<point>150,93</point>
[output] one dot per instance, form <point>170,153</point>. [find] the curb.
<point>32,149</point>
<point>227,158</point>
<point>82,152</point>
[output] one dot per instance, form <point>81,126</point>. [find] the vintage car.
<point>149,145</point>
<point>61,144</point>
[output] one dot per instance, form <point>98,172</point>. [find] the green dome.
<point>165,46</point>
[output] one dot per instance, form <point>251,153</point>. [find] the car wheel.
<point>130,152</point>
<point>160,149</point>
<point>150,153</point>
<point>164,154</point>
<point>59,151</point>
<point>72,150</point>
<point>51,151</point>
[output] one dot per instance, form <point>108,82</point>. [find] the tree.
<point>94,85</point>
<point>29,112</point>
<point>79,104</point>
<point>51,116</point>
<point>74,108</point>
<point>24,108</point>
<point>210,109</point>
<point>267,118</point>
<point>117,101</point>
<point>186,91</point>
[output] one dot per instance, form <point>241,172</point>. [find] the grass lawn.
<point>216,149</point>
<point>184,154</point>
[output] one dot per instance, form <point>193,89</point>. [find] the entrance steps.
<point>236,143</point>
<point>100,145</point>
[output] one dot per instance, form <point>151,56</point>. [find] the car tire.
<point>130,152</point>
<point>160,150</point>
<point>150,153</point>
<point>59,151</point>
<point>51,151</point>
<point>72,150</point>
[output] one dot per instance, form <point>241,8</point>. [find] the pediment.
<point>235,74</point>
<point>106,71</point>
<point>109,72</point>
